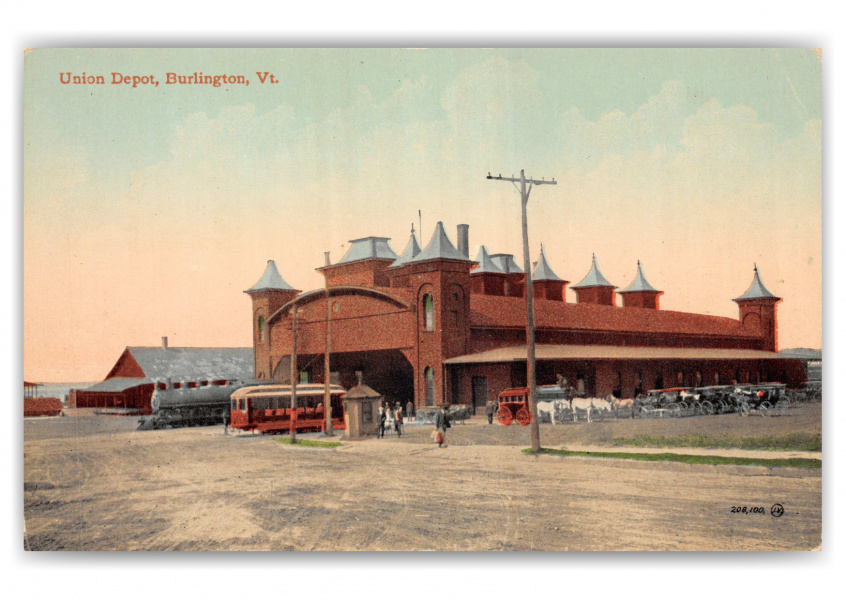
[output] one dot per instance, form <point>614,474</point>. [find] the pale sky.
<point>148,211</point>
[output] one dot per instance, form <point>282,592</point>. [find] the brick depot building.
<point>434,326</point>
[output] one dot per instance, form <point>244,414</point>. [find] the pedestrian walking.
<point>382,418</point>
<point>398,419</point>
<point>409,411</point>
<point>441,425</point>
<point>489,411</point>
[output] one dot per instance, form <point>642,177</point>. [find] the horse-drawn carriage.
<point>514,404</point>
<point>765,398</point>
<point>662,403</point>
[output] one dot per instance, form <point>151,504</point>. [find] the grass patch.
<point>692,459</point>
<point>305,443</point>
<point>807,442</point>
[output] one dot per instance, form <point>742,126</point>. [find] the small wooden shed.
<point>361,411</point>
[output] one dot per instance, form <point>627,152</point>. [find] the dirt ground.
<point>96,484</point>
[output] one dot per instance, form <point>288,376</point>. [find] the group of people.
<point>393,416</point>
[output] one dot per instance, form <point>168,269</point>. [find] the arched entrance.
<point>386,371</point>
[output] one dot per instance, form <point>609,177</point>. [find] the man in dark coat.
<point>489,411</point>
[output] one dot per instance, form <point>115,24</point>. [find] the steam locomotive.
<point>191,403</point>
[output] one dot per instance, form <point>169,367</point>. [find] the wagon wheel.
<point>764,408</point>
<point>683,409</point>
<point>706,408</point>
<point>524,417</point>
<point>504,416</point>
<point>781,407</point>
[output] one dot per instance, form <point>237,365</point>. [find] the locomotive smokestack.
<point>164,342</point>
<point>464,240</point>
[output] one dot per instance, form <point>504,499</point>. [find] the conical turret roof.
<point>486,263</point>
<point>412,249</point>
<point>368,247</point>
<point>543,272</point>
<point>757,290</point>
<point>270,280</point>
<point>593,279</point>
<point>506,263</point>
<point>439,247</point>
<point>639,284</point>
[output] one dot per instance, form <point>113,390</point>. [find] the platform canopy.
<point>574,352</point>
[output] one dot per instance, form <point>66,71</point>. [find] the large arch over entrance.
<point>387,371</point>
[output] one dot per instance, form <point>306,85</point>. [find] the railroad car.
<point>190,403</point>
<point>267,408</point>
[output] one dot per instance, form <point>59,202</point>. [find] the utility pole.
<point>294,377</point>
<point>534,428</point>
<point>327,375</point>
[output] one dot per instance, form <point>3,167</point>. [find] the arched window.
<point>680,379</point>
<point>261,328</point>
<point>429,376</point>
<point>429,312</point>
<point>716,378</point>
<point>698,380</point>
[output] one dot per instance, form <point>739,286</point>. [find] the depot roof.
<point>639,284</point>
<point>270,280</point>
<point>439,247</point>
<point>486,263</point>
<point>118,384</point>
<point>543,272</point>
<point>566,352</point>
<point>507,312</point>
<point>757,290</point>
<point>369,247</point>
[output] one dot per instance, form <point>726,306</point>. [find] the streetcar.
<point>267,408</point>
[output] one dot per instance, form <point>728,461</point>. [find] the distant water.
<point>61,389</point>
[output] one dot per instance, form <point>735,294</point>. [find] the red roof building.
<point>434,326</point>
<point>128,388</point>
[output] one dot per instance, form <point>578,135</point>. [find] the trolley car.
<point>267,408</point>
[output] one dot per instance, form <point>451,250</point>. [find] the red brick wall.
<point>488,283</point>
<point>640,299</point>
<point>761,314</point>
<point>265,304</point>
<point>596,295</point>
<point>549,290</point>
<point>368,273</point>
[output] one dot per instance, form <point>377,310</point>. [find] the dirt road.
<point>196,489</point>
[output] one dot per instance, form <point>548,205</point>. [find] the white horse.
<point>588,406</point>
<point>625,403</point>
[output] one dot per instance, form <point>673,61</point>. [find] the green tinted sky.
<point>148,211</point>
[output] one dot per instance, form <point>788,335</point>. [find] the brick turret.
<point>758,311</point>
<point>594,288</point>
<point>639,293</point>
<point>269,294</point>
<point>547,285</point>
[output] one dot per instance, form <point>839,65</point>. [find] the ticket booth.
<point>361,411</point>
